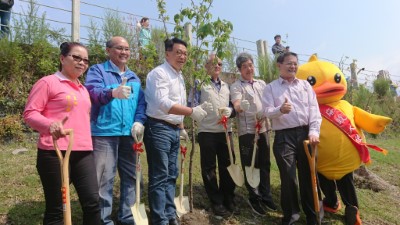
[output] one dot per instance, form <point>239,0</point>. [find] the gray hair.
<point>242,58</point>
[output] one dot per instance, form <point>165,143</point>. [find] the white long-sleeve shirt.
<point>165,87</point>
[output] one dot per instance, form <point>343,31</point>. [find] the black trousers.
<point>289,154</point>
<point>82,175</point>
<point>262,162</point>
<point>213,147</point>
<point>345,186</point>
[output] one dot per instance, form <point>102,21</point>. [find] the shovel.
<point>138,210</point>
<point>64,166</point>
<point>182,202</point>
<point>233,169</point>
<point>311,153</point>
<point>253,174</point>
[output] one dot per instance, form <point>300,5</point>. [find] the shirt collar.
<point>282,81</point>
<point>172,68</point>
<point>246,81</point>
<point>62,77</point>
<point>115,68</point>
<point>218,81</point>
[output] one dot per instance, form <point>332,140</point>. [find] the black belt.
<point>175,126</point>
<point>305,127</point>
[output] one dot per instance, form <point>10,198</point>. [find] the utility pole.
<point>189,33</point>
<point>353,68</point>
<point>260,48</point>
<point>76,20</point>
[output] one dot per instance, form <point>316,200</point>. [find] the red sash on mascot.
<point>341,121</point>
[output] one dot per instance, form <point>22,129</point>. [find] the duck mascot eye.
<point>342,148</point>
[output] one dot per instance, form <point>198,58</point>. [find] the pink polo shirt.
<point>51,99</point>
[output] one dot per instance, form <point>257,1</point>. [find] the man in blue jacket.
<point>117,118</point>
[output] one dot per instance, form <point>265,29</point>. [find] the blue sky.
<point>367,31</point>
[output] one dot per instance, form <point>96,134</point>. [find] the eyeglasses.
<point>80,59</point>
<point>291,64</point>
<point>180,53</point>
<point>215,64</point>
<point>120,48</point>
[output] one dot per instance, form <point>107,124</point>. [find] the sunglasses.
<point>80,59</point>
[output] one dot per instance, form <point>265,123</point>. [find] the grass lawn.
<point>22,201</point>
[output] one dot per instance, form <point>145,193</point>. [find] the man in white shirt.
<point>165,95</point>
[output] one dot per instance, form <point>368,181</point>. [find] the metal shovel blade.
<point>182,205</point>
<point>138,210</point>
<point>253,176</point>
<point>236,174</point>
<point>139,214</point>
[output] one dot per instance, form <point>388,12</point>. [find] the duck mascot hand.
<point>342,146</point>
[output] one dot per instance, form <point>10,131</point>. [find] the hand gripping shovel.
<point>64,166</point>
<point>233,169</point>
<point>138,210</point>
<point>182,202</point>
<point>311,153</point>
<point>253,174</point>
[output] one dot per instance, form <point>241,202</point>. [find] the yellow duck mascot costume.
<point>342,146</point>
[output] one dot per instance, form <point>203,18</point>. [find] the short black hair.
<point>169,43</point>
<point>277,36</point>
<point>282,56</point>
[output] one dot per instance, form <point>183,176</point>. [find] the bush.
<point>11,127</point>
<point>382,87</point>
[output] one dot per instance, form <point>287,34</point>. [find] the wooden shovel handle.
<point>64,168</point>
<point>311,155</point>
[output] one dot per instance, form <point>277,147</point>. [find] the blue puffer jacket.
<point>110,116</point>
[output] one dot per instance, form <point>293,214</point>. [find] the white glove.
<point>225,111</point>
<point>200,111</point>
<point>207,106</point>
<point>122,92</point>
<point>137,131</point>
<point>244,105</point>
<point>183,135</point>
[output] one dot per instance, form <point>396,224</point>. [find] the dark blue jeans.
<point>82,175</point>
<point>162,148</point>
<point>5,23</point>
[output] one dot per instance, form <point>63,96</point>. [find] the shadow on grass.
<point>31,213</point>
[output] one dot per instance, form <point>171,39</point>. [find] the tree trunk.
<point>191,167</point>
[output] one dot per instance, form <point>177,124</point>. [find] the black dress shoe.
<point>231,207</point>
<point>269,205</point>
<point>220,210</point>
<point>173,222</point>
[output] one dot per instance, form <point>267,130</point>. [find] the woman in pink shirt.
<point>57,102</point>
